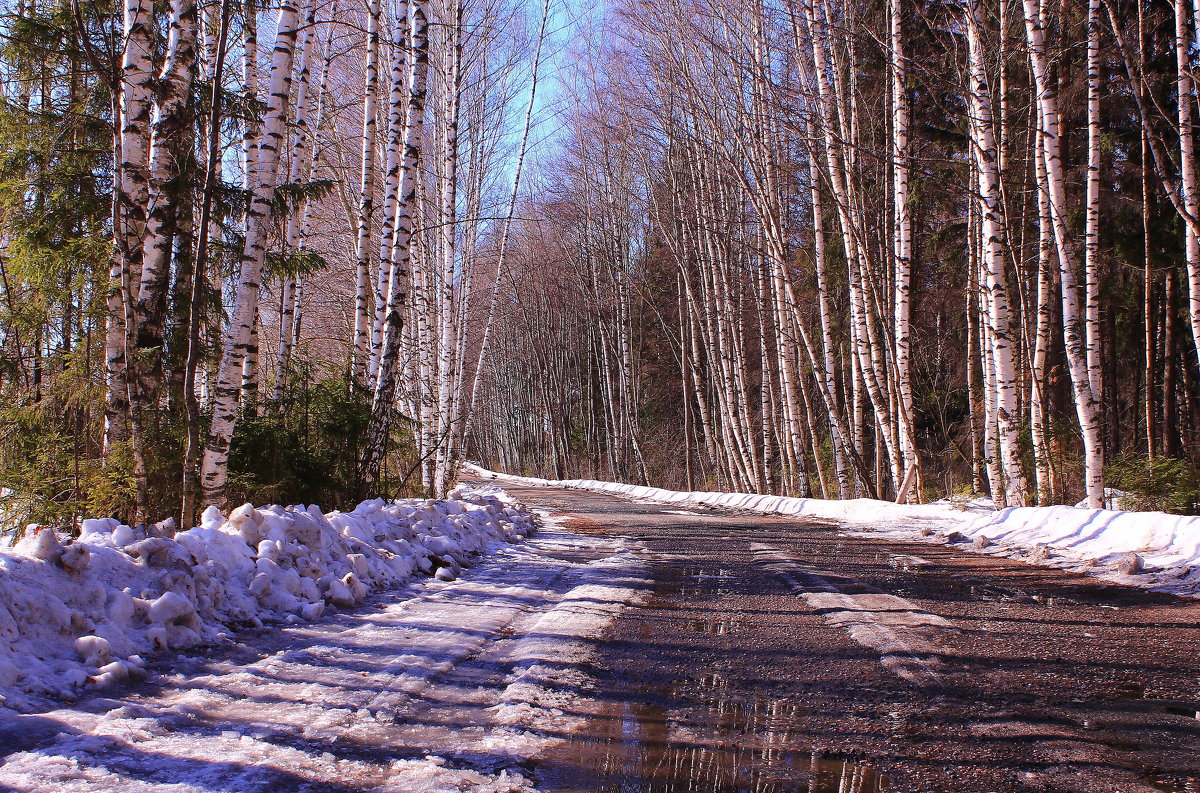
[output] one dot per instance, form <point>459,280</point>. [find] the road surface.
<point>652,649</point>
<point>776,655</point>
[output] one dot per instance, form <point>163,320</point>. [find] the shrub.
<point>1164,484</point>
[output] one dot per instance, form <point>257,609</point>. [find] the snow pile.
<point>1154,550</point>
<point>82,614</point>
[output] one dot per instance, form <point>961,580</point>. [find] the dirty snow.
<point>82,615</point>
<point>1153,550</point>
<point>436,686</point>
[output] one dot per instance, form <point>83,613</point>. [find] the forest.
<point>881,249</point>
<point>323,250</point>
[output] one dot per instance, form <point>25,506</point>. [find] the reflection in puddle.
<point>730,746</point>
<point>706,731</point>
<point>692,581</point>
<point>718,626</point>
<point>840,776</point>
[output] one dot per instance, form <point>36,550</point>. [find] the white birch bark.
<point>129,200</point>
<point>1074,324</point>
<point>250,366</point>
<point>864,347</point>
<point>251,134</point>
<point>366,188</point>
<point>1002,367</point>
<point>214,468</point>
<point>251,127</point>
<point>170,135</point>
<point>300,169</point>
<point>444,456</point>
<point>1185,88</point>
<point>402,240</point>
<point>398,100</point>
<point>1039,396</point>
<point>1091,249</point>
<point>902,242</point>
<point>824,365</point>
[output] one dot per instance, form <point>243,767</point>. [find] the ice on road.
<point>438,686</point>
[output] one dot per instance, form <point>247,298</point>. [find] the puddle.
<point>695,581</point>
<point>752,748</point>
<point>581,525</point>
<point>1137,691</point>
<point>717,626</point>
<point>707,730</point>
<point>1188,711</point>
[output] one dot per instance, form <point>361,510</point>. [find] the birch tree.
<point>366,184</point>
<point>1076,329</point>
<point>1000,358</point>
<point>131,149</point>
<point>214,466</point>
<point>398,253</point>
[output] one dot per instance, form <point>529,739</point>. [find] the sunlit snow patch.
<point>84,613</point>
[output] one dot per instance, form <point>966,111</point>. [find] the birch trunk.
<point>826,364</point>
<point>1185,86</point>
<point>199,271</point>
<point>835,115</point>
<point>167,191</point>
<point>902,245</point>
<point>444,456</point>
<point>252,128</point>
<point>366,187</point>
<point>398,101</point>
<point>1075,327</point>
<point>1039,396</point>
<point>129,201</point>
<point>300,169</point>
<point>214,468</point>
<point>399,256</point>
<point>993,265</point>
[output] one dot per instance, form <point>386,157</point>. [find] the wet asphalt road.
<point>778,655</point>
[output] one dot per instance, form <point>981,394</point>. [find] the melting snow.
<point>83,615</point>
<point>436,686</point>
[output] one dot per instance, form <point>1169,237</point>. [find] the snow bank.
<point>1165,544</point>
<point>861,511</point>
<point>82,614</point>
<point>1153,550</point>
